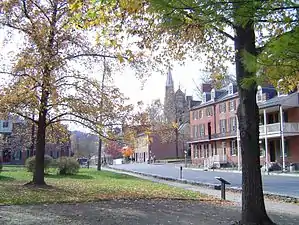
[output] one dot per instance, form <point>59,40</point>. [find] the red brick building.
<point>214,128</point>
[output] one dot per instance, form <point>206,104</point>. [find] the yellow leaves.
<point>76,4</point>
<point>175,125</point>
<point>120,58</point>
<point>131,6</point>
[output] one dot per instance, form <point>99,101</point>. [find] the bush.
<point>30,163</point>
<point>67,166</point>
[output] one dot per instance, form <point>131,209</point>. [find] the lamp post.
<point>185,153</point>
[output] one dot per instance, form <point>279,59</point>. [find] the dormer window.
<point>204,97</point>
<point>259,94</point>
<point>280,92</point>
<point>213,94</point>
<point>230,89</point>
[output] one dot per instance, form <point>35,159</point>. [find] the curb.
<point>274,196</point>
<point>237,171</point>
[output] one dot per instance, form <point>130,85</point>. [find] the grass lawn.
<point>87,185</point>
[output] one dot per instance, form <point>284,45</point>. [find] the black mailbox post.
<point>223,183</point>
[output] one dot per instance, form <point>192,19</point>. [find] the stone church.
<point>176,103</point>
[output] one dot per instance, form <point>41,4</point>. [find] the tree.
<point>279,61</point>
<point>175,28</point>
<point>43,80</point>
<point>113,148</point>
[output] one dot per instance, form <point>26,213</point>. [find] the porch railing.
<point>274,128</point>
<point>215,160</point>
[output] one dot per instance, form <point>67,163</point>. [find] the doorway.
<point>272,151</point>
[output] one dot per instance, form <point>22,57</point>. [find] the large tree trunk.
<point>253,207</point>
<point>39,176</point>
<point>100,155</point>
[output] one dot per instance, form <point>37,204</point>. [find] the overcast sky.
<point>184,76</point>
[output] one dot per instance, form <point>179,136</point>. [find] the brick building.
<point>16,143</point>
<point>215,138</point>
<point>150,146</point>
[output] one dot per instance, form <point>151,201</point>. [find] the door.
<point>272,151</point>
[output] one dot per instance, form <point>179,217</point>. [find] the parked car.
<point>83,162</point>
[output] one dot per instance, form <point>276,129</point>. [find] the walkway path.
<point>128,212</point>
<point>271,205</point>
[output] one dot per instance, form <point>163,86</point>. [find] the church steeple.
<point>169,80</point>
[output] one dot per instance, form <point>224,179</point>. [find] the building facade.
<point>16,143</point>
<point>150,146</point>
<point>215,139</point>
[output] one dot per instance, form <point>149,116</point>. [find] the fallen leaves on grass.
<point>99,186</point>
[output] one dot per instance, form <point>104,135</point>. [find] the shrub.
<point>67,166</point>
<point>30,163</point>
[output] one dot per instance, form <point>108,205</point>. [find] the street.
<point>276,184</point>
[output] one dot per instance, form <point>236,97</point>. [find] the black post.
<point>223,190</point>
<point>181,172</point>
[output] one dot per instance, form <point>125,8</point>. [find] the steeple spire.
<point>169,80</point>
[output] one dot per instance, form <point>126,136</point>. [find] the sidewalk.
<point>274,206</point>
<point>239,171</point>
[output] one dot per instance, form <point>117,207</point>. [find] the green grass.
<point>87,185</point>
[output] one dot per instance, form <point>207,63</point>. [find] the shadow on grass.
<point>75,176</point>
<point>5,178</point>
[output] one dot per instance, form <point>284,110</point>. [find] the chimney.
<point>206,87</point>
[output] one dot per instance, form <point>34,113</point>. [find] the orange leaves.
<point>127,151</point>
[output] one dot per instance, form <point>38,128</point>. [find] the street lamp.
<point>185,153</point>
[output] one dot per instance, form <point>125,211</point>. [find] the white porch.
<point>214,161</point>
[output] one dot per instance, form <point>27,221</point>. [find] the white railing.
<point>215,160</point>
<point>274,128</point>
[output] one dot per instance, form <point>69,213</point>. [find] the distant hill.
<point>84,144</point>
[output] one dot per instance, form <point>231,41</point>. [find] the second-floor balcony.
<point>274,129</point>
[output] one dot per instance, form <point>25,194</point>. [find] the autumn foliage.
<point>113,149</point>
<point>127,151</point>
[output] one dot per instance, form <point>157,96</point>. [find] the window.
<point>201,130</point>
<point>216,150</point>
<point>286,149</point>
<point>233,147</point>
<point>233,123</point>
<point>200,151</point>
<point>232,105</point>
<point>222,126</point>
<point>224,147</point>
<point>204,97</point>
<point>5,124</point>
<point>213,94</point>
<point>207,149</point>
<point>209,111</point>
<point>259,94</point>
<point>230,89</point>
<point>222,107</point>
<point>200,114</point>
<point>211,148</point>
<point>262,148</point>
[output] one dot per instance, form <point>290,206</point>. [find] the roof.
<point>291,100</point>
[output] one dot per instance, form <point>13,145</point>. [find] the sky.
<point>186,76</point>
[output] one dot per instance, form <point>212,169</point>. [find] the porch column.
<point>266,139</point>
<point>238,144</point>
<point>282,138</point>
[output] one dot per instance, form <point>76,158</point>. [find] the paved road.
<point>281,185</point>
